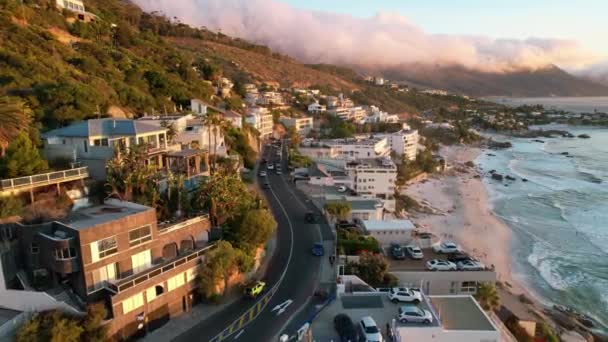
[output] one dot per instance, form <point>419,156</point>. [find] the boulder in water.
<point>584,136</point>
<point>511,178</point>
<point>497,176</point>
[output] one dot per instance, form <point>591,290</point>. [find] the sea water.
<point>559,216</point>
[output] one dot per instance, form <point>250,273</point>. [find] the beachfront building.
<point>387,232</point>
<point>261,119</point>
<point>302,125</point>
<point>115,253</point>
<point>403,142</point>
<point>357,148</point>
<point>374,178</point>
<point>93,142</point>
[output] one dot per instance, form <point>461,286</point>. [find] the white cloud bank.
<point>385,40</point>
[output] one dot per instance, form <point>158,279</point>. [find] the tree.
<point>94,329</point>
<point>22,159</point>
<point>254,230</point>
<point>30,330</point>
<point>65,329</point>
<point>10,206</point>
<point>338,209</point>
<point>220,265</point>
<point>14,118</point>
<point>226,196</point>
<point>487,296</point>
<point>373,269</point>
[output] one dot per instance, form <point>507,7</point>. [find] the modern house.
<point>93,142</point>
<point>261,119</point>
<point>115,253</point>
<point>357,148</point>
<point>376,116</point>
<point>374,178</point>
<point>71,5</point>
<point>403,142</point>
<point>303,125</point>
<point>198,107</point>
<point>389,231</point>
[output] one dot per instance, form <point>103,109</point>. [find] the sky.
<point>582,20</point>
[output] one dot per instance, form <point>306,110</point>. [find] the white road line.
<point>239,334</point>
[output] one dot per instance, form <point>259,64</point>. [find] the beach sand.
<point>466,216</point>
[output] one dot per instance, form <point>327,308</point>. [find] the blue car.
<point>317,249</point>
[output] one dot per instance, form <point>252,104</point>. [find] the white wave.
<point>546,267</point>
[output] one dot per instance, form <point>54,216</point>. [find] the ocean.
<point>573,104</point>
<point>559,217</point>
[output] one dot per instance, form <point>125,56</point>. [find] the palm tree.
<point>14,118</point>
<point>487,296</point>
<point>208,122</point>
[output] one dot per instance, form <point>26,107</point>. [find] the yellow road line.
<point>251,314</point>
<point>231,328</point>
<point>241,321</point>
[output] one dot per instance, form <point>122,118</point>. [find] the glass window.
<point>141,261</point>
<point>132,303</point>
<point>97,142</point>
<point>107,247</point>
<point>140,235</point>
<point>176,282</point>
<point>103,275</point>
<point>104,142</point>
<point>64,253</point>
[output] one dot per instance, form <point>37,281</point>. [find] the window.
<point>191,274</point>
<point>6,233</point>
<point>175,282</point>
<point>97,142</point>
<point>153,292</point>
<point>34,248</point>
<point>141,261</point>
<point>103,248</point>
<point>64,253</point>
<point>132,303</point>
<point>86,146</point>
<point>103,275</point>
<point>104,142</point>
<point>468,287</point>
<point>139,235</point>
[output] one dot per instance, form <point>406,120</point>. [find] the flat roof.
<point>460,313</point>
<point>376,225</point>
<point>111,210</point>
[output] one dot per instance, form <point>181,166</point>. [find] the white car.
<point>341,188</point>
<point>370,330</point>
<point>263,174</point>
<point>446,247</point>
<point>403,294</point>
<point>470,265</point>
<point>270,167</point>
<point>279,172</point>
<point>414,314</point>
<point>415,252</point>
<point>440,265</point>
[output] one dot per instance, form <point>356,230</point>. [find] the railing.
<point>124,284</point>
<point>167,227</point>
<point>43,179</point>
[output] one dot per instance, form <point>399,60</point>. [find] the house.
<point>357,148</point>
<point>235,119</point>
<point>198,107</point>
<point>94,142</point>
<point>374,178</point>
<point>71,5</point>
<point>379,81</point>
<point>261,119</point>
<point>316,108</point>
<point>403,142</point>
<point>389,231</point>
<point>115,253</point>
<point>303,125</point>
<point>269,98</point>
<point>376,116</point>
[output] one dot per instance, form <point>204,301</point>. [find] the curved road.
<point>292,275</point>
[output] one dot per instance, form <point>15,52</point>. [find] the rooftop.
<point>105,127</point>
<point>376,225</point>
<point>111,210</point>
<point>411,265</point>
<point>460,313</point>
<point>371,163</point>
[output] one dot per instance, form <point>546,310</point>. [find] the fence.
<point>44,179</point>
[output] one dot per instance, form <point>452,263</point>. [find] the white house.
<point>316,108</point>
<point>234,118</point>
<point>302,125</point>
<point>403,142</point>
<point>198,107</point>
<point>355,148</point>
<point>374,178</point>
<point>389,231</point>
<point>261,119</point>
<point>72,5</point>
<point>376,115</point>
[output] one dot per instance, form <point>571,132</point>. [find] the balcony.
<point>44,179</point>
<point>165,227</point>
<point>157,270</point>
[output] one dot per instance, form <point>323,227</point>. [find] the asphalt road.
<point>292,275</point>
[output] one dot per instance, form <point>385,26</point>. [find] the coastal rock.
<point>568,135</point>
<point>539,141</point>
<point>491,155</point>
<point>564,153</point>
<point>584,136</point>
<point>492,171</point>
<point>497,176</point>
<point>499,145</point>
<point>511,178</point>
<point>524,179</point>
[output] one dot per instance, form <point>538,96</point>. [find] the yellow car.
<point>255,289</point>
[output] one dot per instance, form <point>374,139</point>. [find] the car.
<point>369,330</point>
<point>317,249</point>
<point>458,257</point>
<point>403,294</point>
<point>270,167</point>
<point>278,166</point>
<point>266,185</point>
<point>470,265</point>
<point>263,174</point>
<point>414,252</point>
<point>397,252</point>
<point>345,328</point>
<point>446,247</point>
<point>414,314</point>
<point>310,217</point>
<point>254,289</point>
<point>278,172</point>
<point>342,188</point>
<point>440,265</point>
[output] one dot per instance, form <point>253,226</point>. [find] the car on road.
<point>440,265</point>
<point>470,265</point>
<point>414,252</point>
<point>317,249</point>
<point>345,328</point>
<point>278,166</point>
<point>458,257</point>
<point>254,289</point>
<point>279,172</point>
<point>263,174</point>
<point>310,217</point>
<point>266,185</point>
<point>404,294</point>
<point>446,247</point>
<point>270,166</point>
<point>369,330</point>
<point>414,314</point>
<point>342,188</point>
<point>397,252</point>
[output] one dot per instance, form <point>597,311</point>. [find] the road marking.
<point>259,307</point>
<point>241,321</point>
<point>231,328</point>
<point>239,334</point>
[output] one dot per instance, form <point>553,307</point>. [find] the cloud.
<point>384,40</point>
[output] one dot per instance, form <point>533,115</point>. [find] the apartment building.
<point>302,125</point>
<point>115,253</point>
<point>94,142</point>
<point>261,119</point>
<point>403,142</point>
<point>269,98</point>
<point>374,178</point>
<point>376,116</point>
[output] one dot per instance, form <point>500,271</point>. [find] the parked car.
<point>403,294</point>
<point>458,257</point>
<point>342,188</point>
<point>346,328</point>
<point>266,185</point>
<point>263,174</point>
<point>270,167</point>
<point>317,249</point>
<point>446,247</point>
<point>279,172</point>
<point>440,265</point>
<point>415,252</point>
<point>414,314</point>
<point>470,265</point>
<point>397,252</point>
<point>369,330</point>
<point>278,167</point>
<point>254,289</point>
<point>310,217</point>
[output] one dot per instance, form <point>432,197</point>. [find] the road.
<point>292,275</point>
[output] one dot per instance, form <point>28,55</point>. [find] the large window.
<point>64,253</point>
<point>103,275</point>
<point>141,261</point>
<point>468,287</point>
<point>132,303</point>
<point>140,235</point>
<point>103,248</point>
<point>175,282</point>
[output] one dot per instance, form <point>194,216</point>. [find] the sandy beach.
<point>464,213</point>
